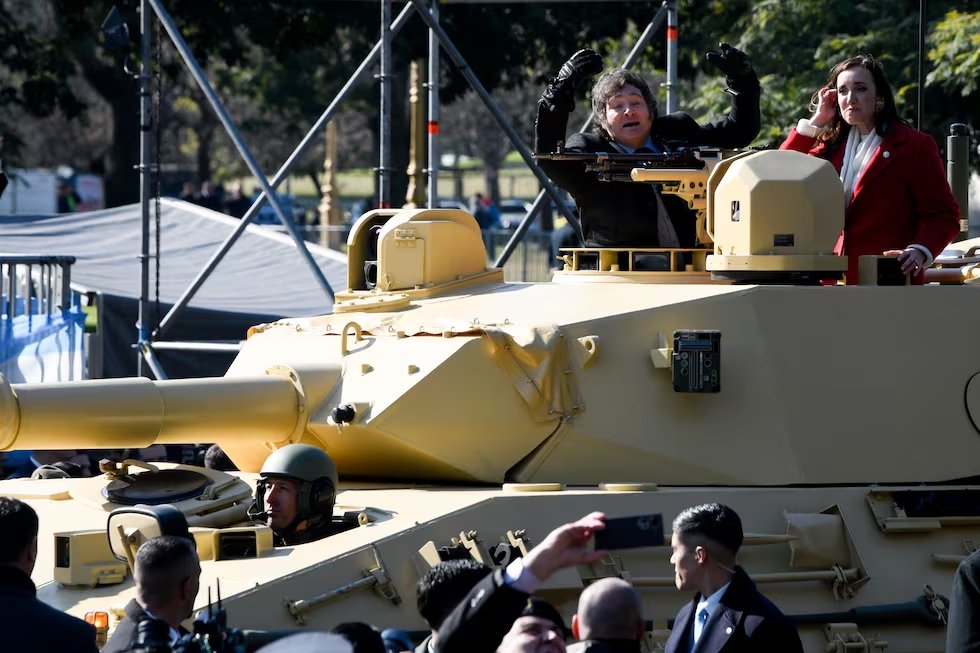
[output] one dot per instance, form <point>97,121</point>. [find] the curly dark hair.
<point>887,114</point>
<point>607,86</point>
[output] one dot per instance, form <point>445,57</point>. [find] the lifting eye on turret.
<point>343,414</point>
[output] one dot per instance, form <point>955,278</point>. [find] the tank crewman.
<point>727,611</point>
<point>27,624</point>
<point>167,572</point>
<point>297,489</point>
<point>625,119</point>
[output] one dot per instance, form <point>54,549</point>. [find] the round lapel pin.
<point>886,154</point>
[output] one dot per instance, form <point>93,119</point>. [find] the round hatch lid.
<point>154,488</point>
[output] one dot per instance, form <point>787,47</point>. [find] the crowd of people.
<point>468,606</point>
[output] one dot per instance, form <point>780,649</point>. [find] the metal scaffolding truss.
<point>148,342</point>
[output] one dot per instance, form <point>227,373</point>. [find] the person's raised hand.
<point>579,66</point>
<point>912,259</point>
<point>566,546</point>
<point>826,109</point>
<point>731,61</point>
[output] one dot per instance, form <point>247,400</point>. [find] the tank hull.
<point>883,567</point>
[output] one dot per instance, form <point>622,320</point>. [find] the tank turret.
<point>469,416</point>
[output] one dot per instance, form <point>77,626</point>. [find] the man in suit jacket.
<point>440,591</point>
<point>625,119</point>
<point>487,618</point>
<point>167,574</point>
<point>963,628</point>
<point>609,618</point>
<point>28,625</point>
<point>727,613</point>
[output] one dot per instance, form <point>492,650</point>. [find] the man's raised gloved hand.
<point>733,62</point>
<point>561,89</point>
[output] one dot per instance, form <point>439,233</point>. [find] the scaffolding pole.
<point>284,171</point>
<point>432,85</point>
<point>467,73</point>
<point>384,167</point>
<point>145,182</point>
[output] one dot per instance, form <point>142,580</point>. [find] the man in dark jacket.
<point>27,624</point>
<point>167,574</point>
<point>609,618</point>
<point>727,612</point>
<point>963,629</point>
<point>488,613</point>
<point>625,120</point>
<point>440,591</point>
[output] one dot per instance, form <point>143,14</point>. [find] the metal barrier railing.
<point>34,284</point>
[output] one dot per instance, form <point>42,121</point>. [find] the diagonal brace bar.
<point>236,137</point>
<point>631,59</point>
<point>465,70</point>
<point>284,171</point>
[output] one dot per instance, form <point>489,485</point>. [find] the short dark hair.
<point>364,638</point>
<point>607,86</point>
<point>19,524</point>
<point>157,567</point>
<point>713,521</point>
<point>216,458</point>
<point>444,586</point>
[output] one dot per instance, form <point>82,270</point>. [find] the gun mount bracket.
<point>845,638</point>
<point>376,577</point>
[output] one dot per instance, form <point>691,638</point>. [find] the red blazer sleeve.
<point>935,207</point>
<point>799,142</point>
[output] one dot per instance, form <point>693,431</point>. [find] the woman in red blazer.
<point>897,200</point>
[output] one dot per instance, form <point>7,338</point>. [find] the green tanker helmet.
<point>313,469</point>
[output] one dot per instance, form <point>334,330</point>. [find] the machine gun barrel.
<point>615,166</point>
<point>139,412</point>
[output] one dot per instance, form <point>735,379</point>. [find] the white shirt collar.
<point>712,601</point>
<point>174,635</point>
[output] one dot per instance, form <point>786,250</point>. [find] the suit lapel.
<point>678,642</point>
<point>719,628</point>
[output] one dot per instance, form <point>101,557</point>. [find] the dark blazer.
<point>963,627</point>
<point>3,183</point>
<point>29,625</point>
<point>625,213</point>
<point>480,621</point>
<point>746,621</point>
<point>901,199</point>
<point>124,636</point>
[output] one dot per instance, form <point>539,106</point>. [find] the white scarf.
<point>857,153</point>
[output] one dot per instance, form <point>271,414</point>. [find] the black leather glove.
<point>733,62</point>
<point>561,89</point>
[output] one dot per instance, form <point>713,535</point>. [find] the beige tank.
<point>469,415</point>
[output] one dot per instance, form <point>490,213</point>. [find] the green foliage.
<point>955,53</point>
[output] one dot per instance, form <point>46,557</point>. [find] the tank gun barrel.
<point>139,412</point>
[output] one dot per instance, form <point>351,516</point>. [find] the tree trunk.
<point>120,90</point>
<point>491,176</point>
<point>122,178</point>
<point>205,137</point>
